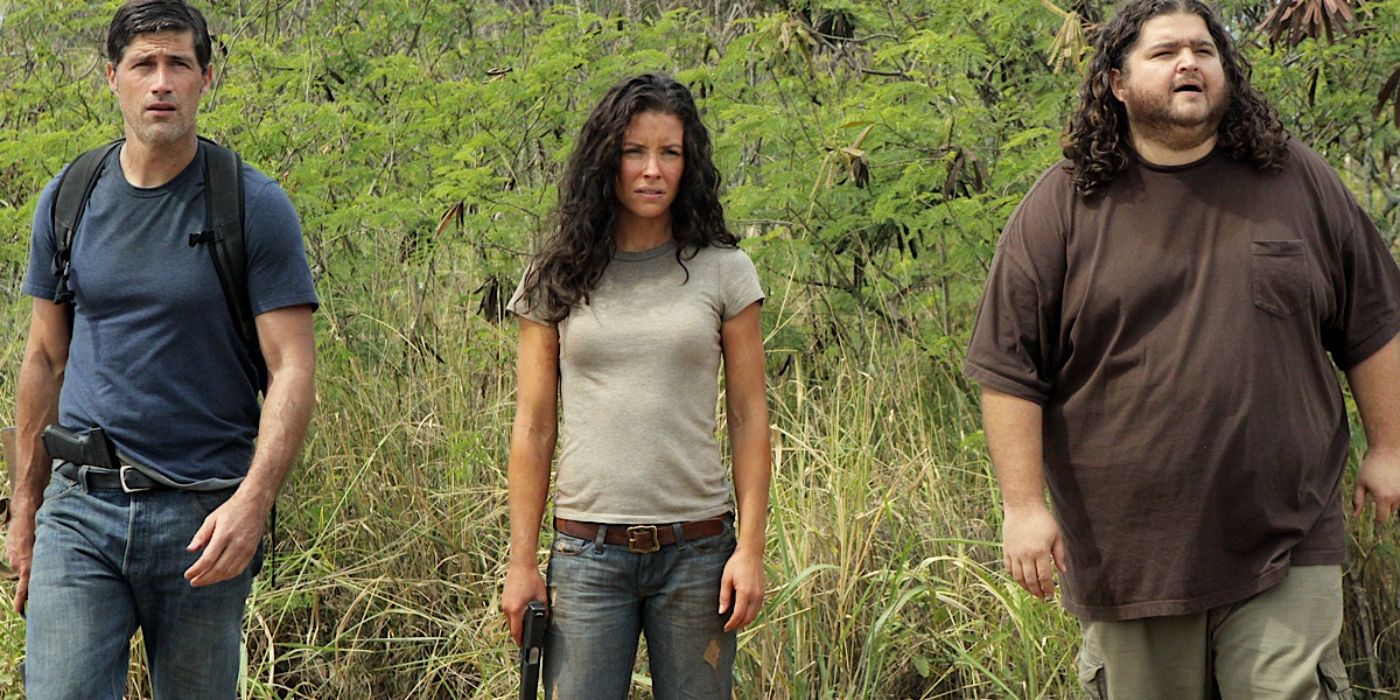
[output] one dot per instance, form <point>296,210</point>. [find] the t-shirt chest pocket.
<point>1279,276</point>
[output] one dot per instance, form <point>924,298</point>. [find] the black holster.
<point>91,447</point>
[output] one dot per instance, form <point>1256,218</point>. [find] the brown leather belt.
<point>643,539</point>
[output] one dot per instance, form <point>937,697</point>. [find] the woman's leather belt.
<point>643,539</point>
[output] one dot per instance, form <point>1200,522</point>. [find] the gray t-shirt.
<point>638,369</point>
<point>155,359</point>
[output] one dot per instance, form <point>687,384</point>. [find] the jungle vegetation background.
<point>871,152</point>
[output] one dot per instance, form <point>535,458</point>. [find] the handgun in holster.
<point>86,447</point>
<point>533,626</point>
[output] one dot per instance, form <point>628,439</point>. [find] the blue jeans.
<point>106,562</point>
<point>602,596</point>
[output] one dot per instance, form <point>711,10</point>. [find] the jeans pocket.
<point>58,487</point>
<point>1092,677</point>
<point>568,545</point>
<point>209,501</point>
<point>723,542</point>
<point>1279,276</point>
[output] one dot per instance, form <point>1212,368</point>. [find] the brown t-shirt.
<point>1176,330</point>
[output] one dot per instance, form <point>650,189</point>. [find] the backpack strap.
<point>224,216</point>
<point>69,203</point>
<point>223,205</point>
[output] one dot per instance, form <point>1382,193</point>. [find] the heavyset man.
<point>148,351</point>
<point>1154,344</point>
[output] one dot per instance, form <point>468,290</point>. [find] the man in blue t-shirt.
<point>165,537</point>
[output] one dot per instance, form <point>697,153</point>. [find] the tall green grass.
<point>883,563</point>
<point>883,559</point>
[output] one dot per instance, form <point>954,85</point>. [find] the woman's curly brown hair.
<point>1097,142</point>
<point>571,260</point>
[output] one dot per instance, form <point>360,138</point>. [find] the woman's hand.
<point>741,588</point>
<point>523,584</point>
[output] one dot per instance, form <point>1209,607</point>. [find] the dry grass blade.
<point>1070,43</point>
<point>455,213</point>
<point>1054,8</point>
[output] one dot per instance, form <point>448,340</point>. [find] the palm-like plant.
<point>1308,18</point>
<point>1295,20</point>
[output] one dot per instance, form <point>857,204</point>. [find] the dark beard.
<point>1153,120</point>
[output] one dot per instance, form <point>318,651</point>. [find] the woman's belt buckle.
<point>642,539</point>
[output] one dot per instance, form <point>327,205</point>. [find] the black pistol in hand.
<point>532,648</point>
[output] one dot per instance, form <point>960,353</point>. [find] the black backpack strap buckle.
<point>201,237</point>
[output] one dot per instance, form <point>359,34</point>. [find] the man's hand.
<point>1033,548</point>
<point>19,551</point>
<point>1379,477</point>
<point>742,586</point>
<point>523,584</point>
<point>229,538</point>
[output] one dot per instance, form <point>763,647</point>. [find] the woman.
<point>625,314</point>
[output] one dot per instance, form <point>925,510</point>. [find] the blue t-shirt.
<point>155,358</point>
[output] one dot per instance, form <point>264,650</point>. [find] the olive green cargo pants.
<point>1280,644</point>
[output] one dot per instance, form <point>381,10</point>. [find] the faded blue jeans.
<point>106,562</point>
<point>602,596</point>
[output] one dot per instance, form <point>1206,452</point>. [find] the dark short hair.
<point>136,17</point>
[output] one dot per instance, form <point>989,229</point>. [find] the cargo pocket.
<point>1279,276</point>
<point>1092,677</point>
<point>1332,677</point>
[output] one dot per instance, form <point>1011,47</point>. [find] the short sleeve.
<point>741,286</point>
<point>278,275</point>
<point>1368,286</point>
<point>1014,339</point>
<point>39,280</point>
<point>520,304</point>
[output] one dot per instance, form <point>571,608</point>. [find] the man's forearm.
<point>1032,547</point>
<point>37,406</point>
<point>286,413</point>
<point>1375,384</point>
<point>1013,429</point>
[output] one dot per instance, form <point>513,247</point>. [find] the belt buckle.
<point>121,476</point>
<point>640,532</point>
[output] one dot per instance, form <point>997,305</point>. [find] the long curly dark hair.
<point>1097,142</point>
<point>580,244</point>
